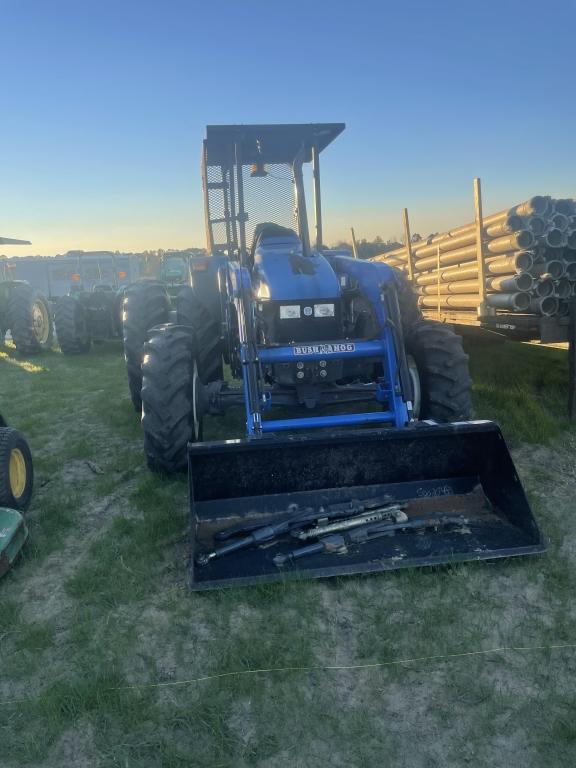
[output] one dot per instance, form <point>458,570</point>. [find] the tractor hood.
<point>280,265</point>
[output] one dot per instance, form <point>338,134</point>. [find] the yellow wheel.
<point>41,326</point>
<point>16,471</point>
<point>29,319</point>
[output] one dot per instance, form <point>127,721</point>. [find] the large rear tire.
<point>72,326</point>
<point>410,312</point>
<point>16,470</point>
<point>442,367</point>
<point>145,305</point>
<point>169,415</point>
<point>191,311</point>
<point>30,320</point>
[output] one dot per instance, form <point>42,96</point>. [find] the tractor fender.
<point>238,276</point>
<point>370,277</point>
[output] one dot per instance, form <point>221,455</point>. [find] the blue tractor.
<point>374,401</point>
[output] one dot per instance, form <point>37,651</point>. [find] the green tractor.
<point>148,303</point>
<point>91,310</point>
<point>175,272</point>
<point>24,311</point>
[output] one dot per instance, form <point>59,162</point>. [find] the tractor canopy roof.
<point>13,241</point>
<point>278,143</point>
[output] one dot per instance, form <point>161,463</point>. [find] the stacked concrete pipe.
<point>529,261</point>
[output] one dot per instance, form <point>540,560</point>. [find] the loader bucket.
<point>461,469</point>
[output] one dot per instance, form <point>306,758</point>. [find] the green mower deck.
<point>13,534</point>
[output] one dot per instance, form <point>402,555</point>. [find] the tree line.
<point>369,248</point>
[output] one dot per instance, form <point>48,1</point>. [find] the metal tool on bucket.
<point>293,521</point>
<point>333,543</point>
<point>394,511</point>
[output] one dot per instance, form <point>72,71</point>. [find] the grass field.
<point>99,633</point>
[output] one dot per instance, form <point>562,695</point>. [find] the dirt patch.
<point>241,616</point>
<point>241,722</point>
<point>41,587</point>
<point>74,748</point>
<point>80,471</point>
<point>168,649</point>
<point>42,593</point>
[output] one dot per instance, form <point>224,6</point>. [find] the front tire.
<point>169,382</point>
<point>30,320</point>
<point>442,367</point>
<point>72,326</point>
<point>191,311</point>
<point>145,305</point>
<point>16,470</point>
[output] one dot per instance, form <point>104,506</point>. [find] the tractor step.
<point>439,472</point>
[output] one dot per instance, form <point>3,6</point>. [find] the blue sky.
<point>104,105</point>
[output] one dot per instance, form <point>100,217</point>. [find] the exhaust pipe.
<point>546,306</point>
<point>517,302</point>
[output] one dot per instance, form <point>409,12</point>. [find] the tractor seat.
<point>269,229</point>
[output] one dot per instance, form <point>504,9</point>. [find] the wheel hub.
<point>40,322</point>
<point>17,473</point>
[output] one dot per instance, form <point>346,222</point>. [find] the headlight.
<point>323,310</point>
<point>263,291</point>
<point>290,312</point>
